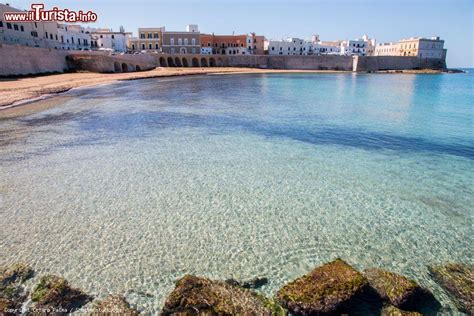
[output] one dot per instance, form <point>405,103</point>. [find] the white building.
<point>358,47</point>
<point>73,37</point>
<point>206,50</point>
<point>107,39</point>
<point>289,46</point>
<point>327,48</point>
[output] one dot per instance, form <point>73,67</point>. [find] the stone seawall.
<point>23,60</point>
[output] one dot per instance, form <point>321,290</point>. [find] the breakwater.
<point>23,60</point>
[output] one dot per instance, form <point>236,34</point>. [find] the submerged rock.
<point>53,293</point>
<point>12,293</point>
<point>201,296</point>
<point>396,289</point>
<point>391,310</point>
<point>458,280</point>
<point>326,289</point>
<point>254,283</point>
<point>113,305</point>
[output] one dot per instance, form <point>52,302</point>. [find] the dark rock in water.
<point>113,305</point>
<point>396,289</point>
<point>393,311</point>
<point>326,289</point>
<point>458,280</point>
<point>201,296</point>
<point>12,293</point>
<point>54,293</point>
<point>16,273</point>
<point>254,283</point>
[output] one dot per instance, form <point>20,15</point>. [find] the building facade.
<point>289,46</point>
<point>182,42</point>
<point>232,44</point>
<point>73,37</point>
<point>416,46</point>
<point>358,47</point>
<point>103,39</point>
<point>149,39</point>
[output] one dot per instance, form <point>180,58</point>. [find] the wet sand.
<point>16,91</point>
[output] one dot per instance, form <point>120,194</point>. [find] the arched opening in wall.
<point>203,62</point>
<point>124,67</point>
<point>117,67</point>
<point>220,63</point>
<point>182,50</point>
<point>170,62</point>
<point>195,62</point>
<point>212,62</point>
<point>137,68</point>
<point>185,62</point>
<point>163,62</point>
<point>177,62</point>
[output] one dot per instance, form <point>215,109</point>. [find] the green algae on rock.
<point>201,296</point>
<point>113,305</point>
<point>395,289</point>
<point>458,280</point>
<point>12,293</point>
<point>55,293</point>
<point>324,290</point>
<point>391,310</point>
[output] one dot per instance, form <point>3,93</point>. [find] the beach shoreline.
<point>15,92</point>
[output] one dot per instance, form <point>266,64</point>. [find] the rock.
<point>54,293</point>
<point>254,283</point>
<point>113,305</point>
<point>458,280</point>
<point>391,310</point>
<point>12,293</point>
<point>16,273</point>
<point>396,289</point>
<point>326,289</point>
<point>201,296</point>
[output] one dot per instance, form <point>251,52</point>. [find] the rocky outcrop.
<point>201,296</point>
<point>12,293</point>
<point>54,293</point>
<point>393,311</point>
<point>326,289</point>
<point>113,305</point>
<point>458,280</point>
<point>396,289</point>
<point>254,283</point>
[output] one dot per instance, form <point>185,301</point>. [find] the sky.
<point>384,20</point>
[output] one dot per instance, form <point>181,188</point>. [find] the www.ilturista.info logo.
<point>38,14</point>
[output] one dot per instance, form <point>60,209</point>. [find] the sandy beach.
<point>16,90</point>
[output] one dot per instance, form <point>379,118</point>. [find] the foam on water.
<point>125,188</point>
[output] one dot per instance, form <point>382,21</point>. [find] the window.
<point>62,39</point>
<point>185,41</point>
<point>142,35</point>
<point>156,46</point>
<point>172,41</point>
<point>143,46</point>
<point>46,34</point>
<point>36,25</point>
<point>180,41</point>
<point>113,37</point>
<point>149,46</point>
<point>102,44</point>
<point>34,33</point>
<point>51,36</point>
<point>79,41</point>
<point>72,40</point>
<point>15,26</point>
<point>101,36</point>
<point>149,35</point>
<point>193,41</point>
<point>208,44</point>
<point>155,35</point>
<point>172,51</point>
<point>194,50</point>
<point>1,23</point>
<point>273,48</point>
<point>21,28</point>
<point>133,46</point>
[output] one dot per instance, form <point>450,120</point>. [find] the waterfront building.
<point>149,39</point>
<point>289,46</point>
<point>73,37</point>
<point>107,39</point>
<point>232,44</point>
<point>358,47</point>
<point>327,47</point>
<point>415,46</point>
<point>187,42</point>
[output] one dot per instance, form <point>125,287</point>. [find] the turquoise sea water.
<point>124,188</point>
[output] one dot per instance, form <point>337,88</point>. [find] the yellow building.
<point>415,47</point>
<point>149,39</point>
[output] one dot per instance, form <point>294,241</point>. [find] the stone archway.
<point>163,62</point>
<point>124,67</point>
<point>203,62</point>
<point>185,62</point>
<point>212,62</point>
<point>137,68</point>
<point>170,62</point>
<point>195,62</point>
<point>177,62</point>
<point>117,67</point>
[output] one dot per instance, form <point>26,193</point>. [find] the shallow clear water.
<point>126,187</point>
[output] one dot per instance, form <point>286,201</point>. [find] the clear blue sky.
<point>386,20</point>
